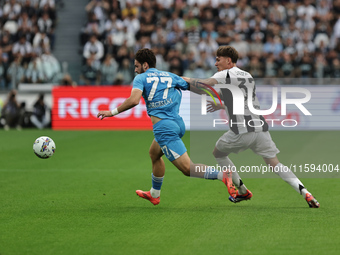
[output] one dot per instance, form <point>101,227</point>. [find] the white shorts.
<point>261,143</point>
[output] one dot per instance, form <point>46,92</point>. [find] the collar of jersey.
<point>150,69</point>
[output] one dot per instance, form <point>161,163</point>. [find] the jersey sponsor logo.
<point>159,103</point>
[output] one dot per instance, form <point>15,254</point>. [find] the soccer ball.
<point>44,147</point>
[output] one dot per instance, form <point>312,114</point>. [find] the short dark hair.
<point>146,55</point>
<point>229,52</point>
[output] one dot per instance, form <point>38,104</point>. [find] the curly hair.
<point>146,55</point>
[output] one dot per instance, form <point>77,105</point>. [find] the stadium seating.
<point>26,42</point>
<point>290,39</point>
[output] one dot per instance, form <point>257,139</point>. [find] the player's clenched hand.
<point>211,107</point>
<point>104,114</point>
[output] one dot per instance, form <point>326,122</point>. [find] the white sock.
<point>155,192</point>
<point>220,176</point>
<point>288,176</point>
<point>226,162</point>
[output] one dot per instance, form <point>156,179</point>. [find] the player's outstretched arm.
<point>129,103</point>
<point>200,83</point>
<point>200,86</point>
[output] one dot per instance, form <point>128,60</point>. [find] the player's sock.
<point>225,162</point>
<point>288,176</point>
<point>211,173</point>
<point>156,186</point>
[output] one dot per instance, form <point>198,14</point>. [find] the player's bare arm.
<point>129,103</point>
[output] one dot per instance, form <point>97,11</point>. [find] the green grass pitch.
<point>83,201</point>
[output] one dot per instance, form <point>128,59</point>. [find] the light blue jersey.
<point>161,92</point>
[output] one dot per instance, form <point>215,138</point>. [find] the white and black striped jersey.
<point>244,82</point>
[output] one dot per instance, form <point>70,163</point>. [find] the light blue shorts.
<point>168,134</point>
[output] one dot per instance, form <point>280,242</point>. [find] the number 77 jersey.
<point>161,92</point>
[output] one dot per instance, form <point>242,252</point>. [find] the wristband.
<point>114,112</point>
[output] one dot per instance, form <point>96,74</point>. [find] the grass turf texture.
<point>83,201</point>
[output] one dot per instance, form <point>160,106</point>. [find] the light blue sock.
<point>156,186</point>
<point>211,173</point>
<point>157,182</point>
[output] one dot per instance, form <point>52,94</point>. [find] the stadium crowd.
<point>26,42</point>
<point>284,38</point>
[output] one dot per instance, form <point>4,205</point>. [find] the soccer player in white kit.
<point>248,131</point>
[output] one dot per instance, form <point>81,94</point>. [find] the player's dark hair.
<point>229,52</point>
<point>146,55</point>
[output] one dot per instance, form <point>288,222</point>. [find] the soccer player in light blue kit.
<point>162,94</point>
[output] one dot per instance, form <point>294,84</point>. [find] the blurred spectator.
<point>287,68</point>
<point>29,8</point>
<point>15,73</point>
<point>273,45</point>
<point>92,27</point>
<point>184,47</point>
<point>126,71</point>
<point>108,70</point>
<point>159,35</point>
<point>3,69</point>
<point>320,65</point>
<point>41,115</point>
<point>131,23</point>
<point>45,25</point>
<point>129,10</point>
<point>306,9</point>
<point>67,81</point>
<point>113,24</point>
<point>12,111</point>
<point>271,66</point>
<point>240,45</point>
<point>123,53</point>
<point>11,10</point>
<point>90,74</point>
<point>25,24</point>
<point>121,37</point>
<point>50,66</point>
<point>305,67</point>
<point>305,45</point>
<point>161,64</point>
<point>2,74</point>
<point>335,68</point>
<point>23,49</point>
<point>49,3</point>
<point>93,48</point>
<point>256,67</point>
<point>208,45</point>
<point>40,42</point>
<point>6,46</point>
<point>115,7</point>
<point>99,7</point>
<point>34,72</point>
<point>305,23</point>
<point>256,45</point>
<point>290,31</point>
<point>49,7</point>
